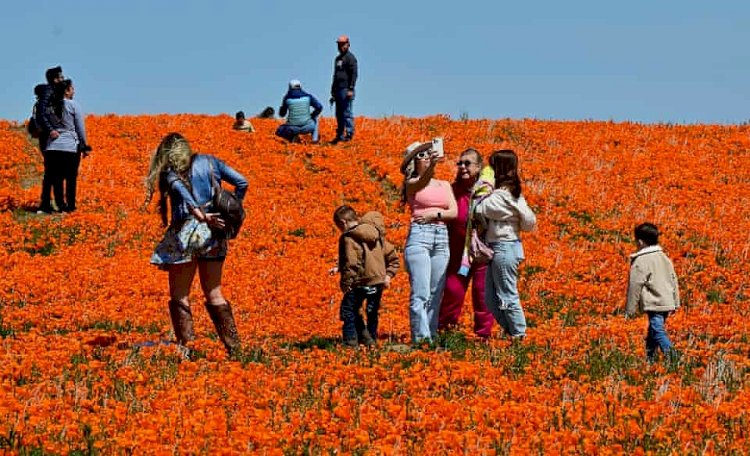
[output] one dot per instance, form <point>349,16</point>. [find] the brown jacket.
<point>652,284</point>
<point>365,256</point>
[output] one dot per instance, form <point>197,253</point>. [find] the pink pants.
<point>455,290</point>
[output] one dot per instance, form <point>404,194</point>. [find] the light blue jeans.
<point>657,337</point>
<point>426,255</point>
<point>501,287</point>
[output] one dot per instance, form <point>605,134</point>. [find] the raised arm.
<point>415,184</point>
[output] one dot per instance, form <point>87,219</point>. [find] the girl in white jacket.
<point>506,214</point>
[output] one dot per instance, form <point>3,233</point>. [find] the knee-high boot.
<point>223,320</point>
<point>182,322</point>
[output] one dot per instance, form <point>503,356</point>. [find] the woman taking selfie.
<point>426,253</point>
<point>190,243</point>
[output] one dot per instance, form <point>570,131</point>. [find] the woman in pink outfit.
<point>458,277</point>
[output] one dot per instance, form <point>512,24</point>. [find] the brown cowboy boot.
<point>182,322</point>
<point>223,320</point>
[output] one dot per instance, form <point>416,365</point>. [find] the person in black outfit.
<point>342,90</point>
<point>46,132</point>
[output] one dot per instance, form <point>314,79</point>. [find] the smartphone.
<point>437,147</point>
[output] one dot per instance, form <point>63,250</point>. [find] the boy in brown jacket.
<point>367,263</point>
<point>652,288</point>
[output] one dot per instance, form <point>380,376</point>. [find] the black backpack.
<point>31,127</point>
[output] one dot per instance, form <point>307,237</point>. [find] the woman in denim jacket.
<point>186,179</point>
<point>506,214</point>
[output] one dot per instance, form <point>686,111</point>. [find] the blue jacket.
<point>297,103</point>
<point>183,200</point>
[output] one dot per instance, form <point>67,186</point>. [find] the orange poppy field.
<point>88,367</point>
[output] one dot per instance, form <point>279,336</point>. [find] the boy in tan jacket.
<point>367,263</point>
<point>652,288</point>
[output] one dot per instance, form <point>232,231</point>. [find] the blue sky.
<point>646,61</point>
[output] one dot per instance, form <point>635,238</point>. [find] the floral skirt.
<point>182,243</point>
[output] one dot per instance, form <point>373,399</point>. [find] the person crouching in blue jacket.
<point>296,108</point>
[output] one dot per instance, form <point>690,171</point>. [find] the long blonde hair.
<point>174,153</point>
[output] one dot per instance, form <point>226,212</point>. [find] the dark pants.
<point>64,172</point>
<point>344,115</point>
<point>47,178</point>
<point>354,325</point>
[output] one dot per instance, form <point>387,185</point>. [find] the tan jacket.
<point>652,285</point>
<point>365,256</point>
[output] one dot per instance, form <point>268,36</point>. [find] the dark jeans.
<point>47,178</point>
<point>657,337</point>
<point>64,171</point>
<point>344,115</point>
<point>46,196</point>
<point>354,325</point>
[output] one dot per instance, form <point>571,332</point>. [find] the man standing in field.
<point>342,90</point>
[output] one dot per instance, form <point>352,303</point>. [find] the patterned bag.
<point>480,252</point>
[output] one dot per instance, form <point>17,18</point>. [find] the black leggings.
<point>63,169</point>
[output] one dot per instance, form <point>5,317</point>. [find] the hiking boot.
<point>182,322</point>
<point>351,343</point>
<point>367,338</point>
<point>221,316</point>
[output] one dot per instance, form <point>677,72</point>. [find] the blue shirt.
<point>183,200</point>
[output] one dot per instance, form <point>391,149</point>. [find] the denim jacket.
<point>183,200</point>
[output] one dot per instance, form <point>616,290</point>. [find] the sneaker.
<point>337,140</point>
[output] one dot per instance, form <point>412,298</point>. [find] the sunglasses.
<point>422,155</point>
<point>465,163</point>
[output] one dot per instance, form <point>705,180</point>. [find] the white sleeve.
<point>526,215</point>
<point>495,207</point>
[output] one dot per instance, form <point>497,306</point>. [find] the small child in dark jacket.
<point>652,288</point>
<point>367,263</point>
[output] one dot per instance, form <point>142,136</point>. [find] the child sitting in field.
<point>652,288</point>
<point>241,123</point>
<point>367,263</point>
